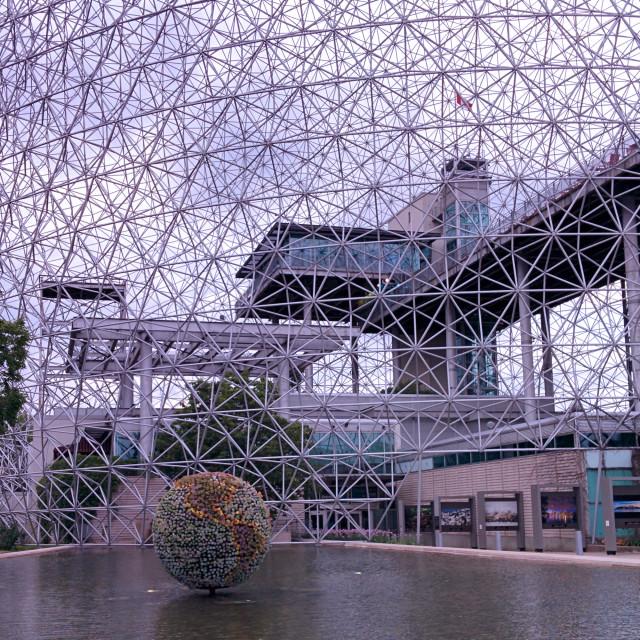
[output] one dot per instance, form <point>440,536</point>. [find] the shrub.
<point>351,535</point>
<point>415,388</point>
<point>10,535</point>
<point>64,489</point>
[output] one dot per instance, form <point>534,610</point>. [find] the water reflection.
<point>329,593</point>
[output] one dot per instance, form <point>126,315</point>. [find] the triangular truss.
<point>315,244</point>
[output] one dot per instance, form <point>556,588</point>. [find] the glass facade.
<point>464,221</point>
<point>126,446</point>
<point>477,372</point>
<point>372,257</point>
<point>331,444</point>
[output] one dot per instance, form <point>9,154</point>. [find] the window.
<point>126,447</point>
<point>476,369</point>
<point>464,221</point>
<point>361,255</point>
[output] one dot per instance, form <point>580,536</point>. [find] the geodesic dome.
<point>312,244</point>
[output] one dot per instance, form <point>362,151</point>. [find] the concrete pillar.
<point>284,387</point>
<point>145,374</point>
<point>632,291</point>
<point>547,357</point>
<point>608,516</point>
<point>419,501</point>
<point>526,342</point>
<point>400,517</point>
<point>355,365</point>
<point>450,329</point>
<point>123,416</point>
<point>308,370</point>
<point>125,395</point>
<point>579,543</point>
<point>308,378</point>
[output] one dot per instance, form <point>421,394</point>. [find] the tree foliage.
<point>231,419</point>
<point>14,341</point>
<point>10,535</point>
<point>69,487</point>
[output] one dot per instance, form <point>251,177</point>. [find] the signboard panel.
<point>626,506</point>
<point>501,514</point>
<point>411,518</point>
<point>559,509</point>
<point>455,516</point>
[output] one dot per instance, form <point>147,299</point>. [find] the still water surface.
<point>309,593</point>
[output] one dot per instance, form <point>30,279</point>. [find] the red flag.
<point>460,101</point>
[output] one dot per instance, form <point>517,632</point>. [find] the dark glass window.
<point>464,221</point>
<point>622,440</point>
<point>587,440</point>
<point>476,356</point>
<point>564,442</point>
<point>380,258</point>
<point>451,460</point>
<point>525,448</point>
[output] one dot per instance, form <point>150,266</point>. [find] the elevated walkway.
<point>569,237</point>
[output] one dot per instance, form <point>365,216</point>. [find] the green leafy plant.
<point>14,341</point>
<point>224,420</point>
<point>416,388</point>
<point>10,536</point>
<point>352,535</point>
<point>68,485</point>
<point>628,541</point>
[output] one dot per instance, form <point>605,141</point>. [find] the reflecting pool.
<point>308,593</point>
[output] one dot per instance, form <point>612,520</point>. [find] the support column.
<point>355,365</point>
<point>123,417</point>
<point>632,291</point>
<point>308,370</point>
<point>526,342</point>
<point>284,387</point>
<point>308,378</point>
<point>419,500</point>
<point>452,364</point>
<point>146,399</point>
<point>125,396</point>
<point>547,358</point>
<point>608,517</point>
<point>400,517</point>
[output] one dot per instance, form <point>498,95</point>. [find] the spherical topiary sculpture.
<point>211,530</point>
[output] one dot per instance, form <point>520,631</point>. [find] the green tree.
<point>229,425</point>
<point>14,341</point>
<point>70,487</point>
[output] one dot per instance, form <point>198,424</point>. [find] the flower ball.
<point>211,530</point>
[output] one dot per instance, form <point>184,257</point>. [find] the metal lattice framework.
<point>311,243</point>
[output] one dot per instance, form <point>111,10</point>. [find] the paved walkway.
<point>37,552</point>
<point>600,559</point>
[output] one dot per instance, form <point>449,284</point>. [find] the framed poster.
<point>626,506</point>
<point>455,516</point>
<point>559,509</point>
<point>411,518</point>
<point>501,514</point>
